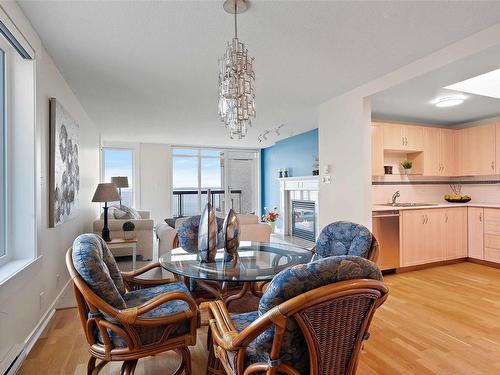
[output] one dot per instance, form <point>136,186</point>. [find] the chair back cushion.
<point>246,219</point>
<point>96,265</point>
<point>188,233</point>
<point>297,280</point>
<point>344,238</point>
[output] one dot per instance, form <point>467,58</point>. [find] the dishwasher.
<point>385,228</point>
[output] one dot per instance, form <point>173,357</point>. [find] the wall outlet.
<point>326,179</point>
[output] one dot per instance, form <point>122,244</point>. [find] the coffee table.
<point>256,262</point>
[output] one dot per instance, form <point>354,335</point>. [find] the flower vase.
<point>407,170</point>
<point>128,234</point>
<point>272,224</point>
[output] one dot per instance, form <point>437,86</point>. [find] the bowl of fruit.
<point>457,197</point>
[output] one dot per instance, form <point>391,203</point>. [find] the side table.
<point>120,243</point>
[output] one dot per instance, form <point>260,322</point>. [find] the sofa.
<point>250,230</point>
<point>144,231</point>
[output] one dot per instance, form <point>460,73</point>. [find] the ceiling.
<point>411,100</point>
<point>147,71</point>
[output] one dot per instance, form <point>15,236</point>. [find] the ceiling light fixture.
<point>449,101</point>
<point>487,84</point>
<point>236,80</point>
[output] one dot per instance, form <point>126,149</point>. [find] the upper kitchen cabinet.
<point>377,151</point>
<point>477,147</point>
<point>402,137</point>
<point>440,148</point>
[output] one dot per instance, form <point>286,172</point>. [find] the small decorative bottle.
<point>285,173</point>
<point>280,173</point>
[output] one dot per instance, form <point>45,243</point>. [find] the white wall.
<point>20,299</point>
<point>155,168</point>
<point>345,146</point>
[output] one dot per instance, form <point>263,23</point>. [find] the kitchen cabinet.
<point>421,239</point>
<point>450,151</point>
<point>477,146</point>
<point>433,235</point>
<point>398,137</point>
<point>455,233</point>
<point>440,149</point>
<point>497,148</point>
<point>492,235</point>
<point>475,230</point>
<point>377,151</point>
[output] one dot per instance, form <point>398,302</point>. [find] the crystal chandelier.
<point>236,80</point>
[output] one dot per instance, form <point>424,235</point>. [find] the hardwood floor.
<point>443,320</point>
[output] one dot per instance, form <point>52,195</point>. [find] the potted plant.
<point>270,217</point>
<point>407,164</point>
<point>128,230</point>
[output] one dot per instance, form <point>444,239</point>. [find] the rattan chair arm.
<point>225,333</point>
<point>131,277</point>
<point>133,315</point>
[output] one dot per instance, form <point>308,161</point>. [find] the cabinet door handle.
<point>423,219</point>
<point>402,141</point>
<point>480,217</point>
<point>493,165</point>
<point>446,218</point>
<point>406,141</point>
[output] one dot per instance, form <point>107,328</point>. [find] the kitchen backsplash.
<point>433,193</point>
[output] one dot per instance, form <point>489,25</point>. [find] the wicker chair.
<point>312,319</point>
<point>126,318</point>
<point>346,238</point>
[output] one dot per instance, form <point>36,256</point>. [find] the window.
<point>120,162</point>
<point>3,211</point>
<point>18,174</point>
<point>195,171</point>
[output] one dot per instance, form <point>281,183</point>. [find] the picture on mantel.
<point>64,169</point>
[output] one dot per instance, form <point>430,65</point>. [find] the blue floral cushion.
<point>96,265</point>
<point>140,296</point>
<point>149,335</point>
<point>344,238</point>
<point>295,281</point>
<point>188,233</point>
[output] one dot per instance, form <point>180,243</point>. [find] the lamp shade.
<point>106,192</point>
<point>120,181</point>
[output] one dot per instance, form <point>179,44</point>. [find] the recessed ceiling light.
<point>448,101</point>
<point>487,84</point>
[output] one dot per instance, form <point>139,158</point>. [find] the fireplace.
<point>304,219</point>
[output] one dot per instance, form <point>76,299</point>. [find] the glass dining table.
<point>255,264</point>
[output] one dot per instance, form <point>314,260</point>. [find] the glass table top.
<point>257,261</point>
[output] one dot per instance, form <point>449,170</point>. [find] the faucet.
<point>395,196</point>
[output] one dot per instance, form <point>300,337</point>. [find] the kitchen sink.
<point>409,204</point>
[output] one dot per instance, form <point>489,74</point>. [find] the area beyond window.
<point>118,162</point>
<point>230,175</point>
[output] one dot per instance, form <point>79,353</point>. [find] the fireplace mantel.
<point>297,188</point>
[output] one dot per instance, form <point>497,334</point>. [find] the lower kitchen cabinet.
<point>455,232</point>
<point>433,235</point>
<point>475,229</point>
<point>492,235</point>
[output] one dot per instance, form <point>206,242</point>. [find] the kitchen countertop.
<point>381,207</point>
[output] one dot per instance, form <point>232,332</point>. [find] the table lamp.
<point>106,192</point>
<point>120,182</point>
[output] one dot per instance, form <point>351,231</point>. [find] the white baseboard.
<point>35,334</point>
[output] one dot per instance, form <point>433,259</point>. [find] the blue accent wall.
<point>296,153</point>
